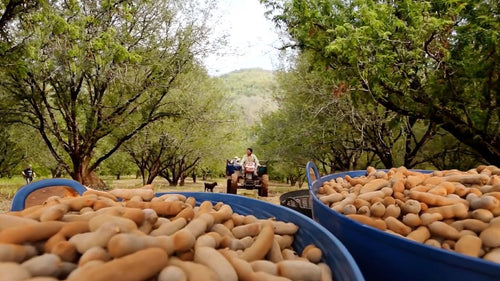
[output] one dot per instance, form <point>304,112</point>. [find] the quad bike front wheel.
<point>264,186</point>
<point>233,186</point>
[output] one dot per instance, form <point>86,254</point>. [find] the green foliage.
<point>11,154</point>
<point>90,75</point>
<point>179,147</point>
<point>435,61</point>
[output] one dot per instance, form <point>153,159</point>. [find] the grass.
<point>9,186</point>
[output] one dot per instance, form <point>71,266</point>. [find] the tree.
<point>93,74</point>
<point>436,61</point>
<point>118,164</point>
<point>173,149</point>
<point>11,154</point>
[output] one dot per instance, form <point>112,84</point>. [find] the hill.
<point>251,91</point>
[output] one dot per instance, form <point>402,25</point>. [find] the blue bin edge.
<point>441,264</point>
<point>335,254</point>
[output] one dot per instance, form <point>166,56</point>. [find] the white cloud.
<point>252,41</point>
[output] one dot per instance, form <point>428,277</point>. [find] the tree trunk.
<point>86,177</point>
<point>93,181</point>
<point>182,179</point>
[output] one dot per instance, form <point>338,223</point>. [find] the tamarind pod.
<point>77,203</point>
<point>412,220</point>
<point>392,211</point>
<point>458,210</point>
<point>470,224</point>
<point>468,179</point>
<point>331,198</point>
<point>421,234</point>
<point>194,271</point>
<point>489,237</point>
<point>299,270</point>
<point>289,254</point>
<point>356,180</point>
<point>397,226</point>
<point>100,193</point>
<point>284,241</point>
<point>242,267</point>
<point>284,228</point>
<point>237,219</point>
<point>204,208</point>
<point>222,230</point>
<point>415,180</point>
<point>30,233</point>
<point>172,273</point>
<point>248,219</point>
<point>100,237</point>
<point>442,229</point>
<point>251,229</point>
<point>428,218</point>
<point>127,194</point>
<point>187,213</point>
<point>265,276</point>
<point>377,223</point>
<point>16,253</point>
<point>229,224</point>
<point>469,245</point>
<point>262,244</point>
<point>222,214</point>
<point>326,272</point>
<point>7,221</point>
<point>274,254</point>
<point>44,265</point>
<point>191,201</point>
<point>123,224</point>
<point>217,262</point>
<point>210,239</point>
<point>65,250</point>
<point>125,243</point>
<point>169,228</point>
<point>55,212</point>
<point>161,208</point>
<point>312,253</point>
<point>94,253</point>
<point>232,243</point>
<point>68,230</point>
<point>140,265</point>
<point>265,266</point>
<point>349,209</point>
<point>11,271</point>
<point>433,199</point>
<point>136,215</point>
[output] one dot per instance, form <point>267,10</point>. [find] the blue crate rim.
<point>433,253</point>
<point>319,227</point>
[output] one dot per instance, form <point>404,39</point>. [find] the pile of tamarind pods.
<point>453,210</point>
<point>131,235</point>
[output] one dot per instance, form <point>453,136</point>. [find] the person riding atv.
<point>250,162</point>
<point>248,174</point>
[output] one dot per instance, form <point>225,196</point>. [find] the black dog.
<point>210,186</point>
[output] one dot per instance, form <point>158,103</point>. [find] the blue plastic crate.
<point>387,257</point>
<point>334,253</point>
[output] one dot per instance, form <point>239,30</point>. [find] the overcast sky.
<point>252,40</point>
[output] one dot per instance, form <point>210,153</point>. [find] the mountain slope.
<point>251,90</point>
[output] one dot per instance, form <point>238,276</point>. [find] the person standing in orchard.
<point>28,174</point>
